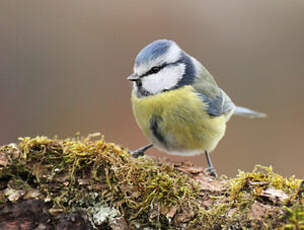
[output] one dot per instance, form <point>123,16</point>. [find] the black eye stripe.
<point>160,68</point>
<point>154,69</point>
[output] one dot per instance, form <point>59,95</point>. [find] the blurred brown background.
<point>64,63</point>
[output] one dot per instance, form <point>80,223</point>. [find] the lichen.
<point>102,213</point>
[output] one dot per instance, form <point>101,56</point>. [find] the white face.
<point>167,77</point>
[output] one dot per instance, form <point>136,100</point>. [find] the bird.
<point>177,103</point>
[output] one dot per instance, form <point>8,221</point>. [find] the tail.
<point>242,111</point>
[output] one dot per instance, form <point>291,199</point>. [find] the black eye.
<point>155,69</point>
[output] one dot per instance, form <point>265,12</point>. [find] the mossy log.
<point>87,183</point>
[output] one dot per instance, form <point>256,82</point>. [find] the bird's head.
<point>162,66</point>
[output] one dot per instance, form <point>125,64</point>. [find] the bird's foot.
<point>137,153</point>
<point>141,151</point>
<point>210,171</point>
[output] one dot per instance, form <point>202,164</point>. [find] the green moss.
<point>131,185</point>
<point>261,177</point>
<point>295,217</point>
<point>91,173</point>
<point>234,208</point>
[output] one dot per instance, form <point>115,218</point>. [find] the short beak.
<point>133,77</point>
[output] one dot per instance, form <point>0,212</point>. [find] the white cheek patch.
<point>167,78</point>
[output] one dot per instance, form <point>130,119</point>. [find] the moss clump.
<point>260,199</point>
<point>262,177</point>
<point>69,172</point>
<point>91,174</point>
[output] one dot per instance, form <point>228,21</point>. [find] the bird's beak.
<point>133,77</point>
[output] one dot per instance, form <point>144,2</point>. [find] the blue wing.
<point>218,105</point>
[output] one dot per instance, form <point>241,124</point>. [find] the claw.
<point>137,153</point>
<point>141,151</point>
<point>211,172</point>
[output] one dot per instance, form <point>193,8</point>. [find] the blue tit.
<point>177,103</point>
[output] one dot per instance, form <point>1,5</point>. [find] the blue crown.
<point>153,51</point>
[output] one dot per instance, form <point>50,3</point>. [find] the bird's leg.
<point>141,151</point>
<point>210,170</point>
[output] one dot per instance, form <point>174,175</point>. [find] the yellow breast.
<point>182,121</point>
